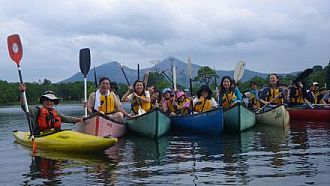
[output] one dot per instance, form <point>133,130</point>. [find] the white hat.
<point>315,83</point>
<point>49,95</point>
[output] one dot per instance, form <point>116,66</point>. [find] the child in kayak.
<point>45,117</point>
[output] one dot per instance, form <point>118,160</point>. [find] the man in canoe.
<point>274,93</point>
<point>45,117</point>
<point>313,93</point>
<point>204,100</point>
<point>106,101</point>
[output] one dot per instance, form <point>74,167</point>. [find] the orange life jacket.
<point>204,105</point>
<point>48,119</point>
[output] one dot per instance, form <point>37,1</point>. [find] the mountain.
<point>113,71</point>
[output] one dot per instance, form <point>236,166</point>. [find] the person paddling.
<point>274,93</point>
<point>139,98</point>
<point>44,117</point>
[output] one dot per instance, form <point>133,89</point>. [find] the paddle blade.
<point>84,61</point>
<point>303,75</point>
<point>239,71</point>
<point>189,67</point>
<point>15,48</point>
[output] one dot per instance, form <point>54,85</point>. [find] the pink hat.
<point>179,94</point>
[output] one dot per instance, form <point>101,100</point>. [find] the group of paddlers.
<point>106,100</point>
<point>178,102</point>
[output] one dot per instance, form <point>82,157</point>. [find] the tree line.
<point>73,92</point>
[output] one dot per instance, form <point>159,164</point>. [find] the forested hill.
<point>112,70</point>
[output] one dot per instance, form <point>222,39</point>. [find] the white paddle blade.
<point>239,71</point>
<point>189,67</point>
<point>141,111</point>
<point>174,78</point>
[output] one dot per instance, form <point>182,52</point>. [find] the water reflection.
<point>50,167</point>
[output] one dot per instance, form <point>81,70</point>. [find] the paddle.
<point>15,50</point>
<point>177,86</point>
<point>239,71</point>
<point>95,78</point>
<point>138,68</point>
<point>122,69</point>
<point>140,110</point>
<point>174,78</point>
<point>85,63</point>
<point>301,76</point>
<point>190,85</point>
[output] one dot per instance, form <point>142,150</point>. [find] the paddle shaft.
<point>85,94</point>
<point>122,69</point>
<point>25,102</point>
<point>138,66</point>
<point>178,86</point>
<point>95,78</point>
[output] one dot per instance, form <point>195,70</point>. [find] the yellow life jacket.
<point>298,97</point>
<point>107,104</point>
<point>253,101</point>
<point>228,99</point>
<point>203,105</point>
<point>273,92</point>
<point>181,109</point>
<point>144,105</point>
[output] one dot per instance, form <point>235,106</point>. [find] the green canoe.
<point>239,118</point>
<point>152,124</point>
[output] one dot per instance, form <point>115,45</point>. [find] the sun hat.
<point>49,95</point>
<point>179,94</point>
<point>166,90</point>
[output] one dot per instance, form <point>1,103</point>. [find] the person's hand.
<point>86,104</point>
<point>22,87</point>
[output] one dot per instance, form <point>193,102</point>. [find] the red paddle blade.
<point>15,48</point>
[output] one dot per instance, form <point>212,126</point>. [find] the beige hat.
<point>49,95</point>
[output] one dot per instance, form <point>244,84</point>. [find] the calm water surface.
<point>299,155</point>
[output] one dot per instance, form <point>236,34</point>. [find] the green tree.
<point>205,75</point>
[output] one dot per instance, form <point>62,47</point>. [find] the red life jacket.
<point>48,119</point>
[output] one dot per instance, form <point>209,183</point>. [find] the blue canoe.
<point>210,122</point>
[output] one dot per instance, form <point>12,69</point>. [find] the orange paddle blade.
<point>15,48</point>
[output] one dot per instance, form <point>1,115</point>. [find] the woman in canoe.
<point>182,103</point>
<point>106,101</point>
<point>45,117</point>
<point>204,100</point>
<point>167,102</point>
<point>274,93</point>
<point>139,98</point>
<point>229,95</point>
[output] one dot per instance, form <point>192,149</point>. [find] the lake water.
<point>299,155</point>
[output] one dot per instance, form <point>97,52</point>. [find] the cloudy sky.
<point>271,36</point>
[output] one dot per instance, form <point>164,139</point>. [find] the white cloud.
<point>272,36</point>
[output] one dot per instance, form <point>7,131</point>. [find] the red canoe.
<point>99,124</point>
<point>309,114</point>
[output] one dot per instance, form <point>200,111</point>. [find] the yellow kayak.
<point>66,140</point>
